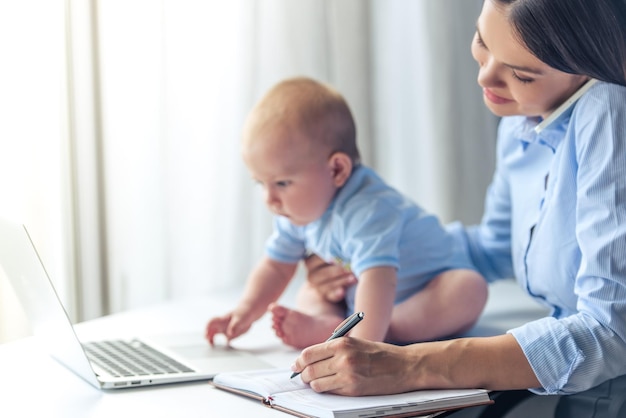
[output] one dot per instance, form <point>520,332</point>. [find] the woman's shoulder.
<point>600,98</point>
<point>599,117</point>
<point>604,88</point>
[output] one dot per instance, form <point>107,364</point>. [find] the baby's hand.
<point>232,325</point>
<point>217,325</point>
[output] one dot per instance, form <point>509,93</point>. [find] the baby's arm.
<point>266,282</point>
<point>375,295</point>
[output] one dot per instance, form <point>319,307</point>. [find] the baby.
<point>299,144</point>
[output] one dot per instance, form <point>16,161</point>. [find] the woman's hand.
<point>355,367</point>
<point>330,280</point>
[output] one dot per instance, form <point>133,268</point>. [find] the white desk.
<point>53,391</point>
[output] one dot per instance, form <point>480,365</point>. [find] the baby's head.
<point>299,143</point>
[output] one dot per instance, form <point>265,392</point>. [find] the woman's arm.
<point>356,367</point>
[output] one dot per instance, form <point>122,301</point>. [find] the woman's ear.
<point>340,165</point>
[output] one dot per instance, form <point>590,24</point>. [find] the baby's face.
<point>296,178</point>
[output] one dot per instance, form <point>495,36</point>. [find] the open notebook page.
<point>262,382</point>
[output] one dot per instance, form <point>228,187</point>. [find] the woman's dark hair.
<point>586,37</point>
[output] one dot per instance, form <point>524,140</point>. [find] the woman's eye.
<point>282,183</point>
<point>522,79</point>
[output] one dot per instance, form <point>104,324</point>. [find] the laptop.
<point>142,362</point>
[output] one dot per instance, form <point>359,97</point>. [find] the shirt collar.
<point>550,136</point>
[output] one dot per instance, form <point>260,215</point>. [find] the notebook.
<point>179,358</point>
<point>276,389</point>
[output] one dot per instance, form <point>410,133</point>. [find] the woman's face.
<point>514,81</point>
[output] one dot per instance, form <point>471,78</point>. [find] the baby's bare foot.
<point>300,330</point>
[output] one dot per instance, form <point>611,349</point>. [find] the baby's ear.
<point>341,167</point>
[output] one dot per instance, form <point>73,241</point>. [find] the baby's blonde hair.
<point>312,108</point>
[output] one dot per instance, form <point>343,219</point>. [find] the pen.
<point>343,328</point>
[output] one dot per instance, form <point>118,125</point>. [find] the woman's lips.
<point>494,98</point>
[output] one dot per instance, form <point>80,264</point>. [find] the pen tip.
<point>294,374</point>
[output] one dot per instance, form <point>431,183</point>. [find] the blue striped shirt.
<point>555,219</point>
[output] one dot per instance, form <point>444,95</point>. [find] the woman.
<point>555,216</point>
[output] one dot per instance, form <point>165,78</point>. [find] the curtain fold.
<point>435,140</point>
<point>85,211</point>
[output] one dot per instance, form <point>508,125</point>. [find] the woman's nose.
<point>488,75</point>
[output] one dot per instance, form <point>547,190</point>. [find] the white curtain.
<point>33,174</point>
<point>433,138</point>
<point>162,204</point>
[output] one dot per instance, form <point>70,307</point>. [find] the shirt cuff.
<point>551,351</point>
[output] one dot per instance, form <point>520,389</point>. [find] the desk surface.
<point>32,384</point>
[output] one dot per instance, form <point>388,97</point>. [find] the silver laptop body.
<point>51,325</point>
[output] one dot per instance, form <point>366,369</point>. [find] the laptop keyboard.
<point>131,358</point>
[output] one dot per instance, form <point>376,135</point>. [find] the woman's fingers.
<point>330,280</point>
